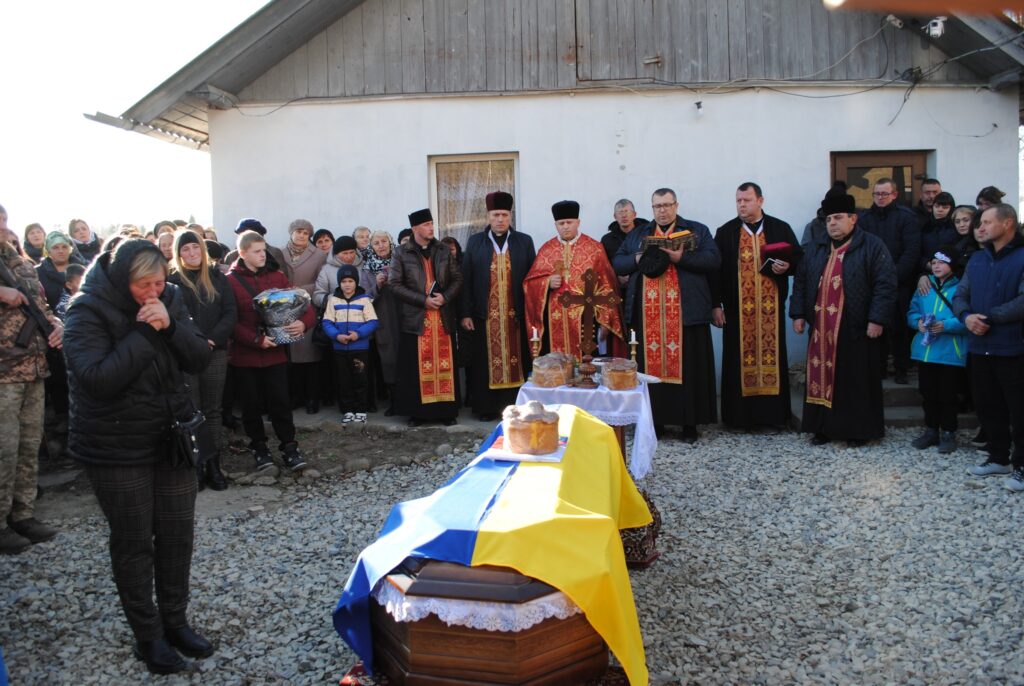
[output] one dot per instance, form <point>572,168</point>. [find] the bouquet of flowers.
<point>279,307</point>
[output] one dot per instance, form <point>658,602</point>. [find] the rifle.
<point>34,317</point>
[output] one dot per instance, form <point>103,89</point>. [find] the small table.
<point>617,409</point>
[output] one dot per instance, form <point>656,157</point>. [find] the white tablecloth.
<point>475,614</point>
<point>615,408</point>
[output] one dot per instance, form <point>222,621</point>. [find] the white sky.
<point>62,58</point>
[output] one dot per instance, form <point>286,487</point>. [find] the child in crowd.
<point>940,349</point>
<point>72,281</point>
<point>349,321</point>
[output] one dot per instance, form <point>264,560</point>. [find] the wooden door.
<point>860,170</point>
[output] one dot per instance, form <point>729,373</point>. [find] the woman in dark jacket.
<point>58,253</point>
<point>211,302</point>
<point>130,341</point>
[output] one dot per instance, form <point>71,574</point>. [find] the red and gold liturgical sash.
<point>828,313</point>
<point>759,326</point>
<point>505,369</point>
<point>437,371</point>
<point>663,325</point>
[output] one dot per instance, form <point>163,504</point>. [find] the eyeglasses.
<point>664,205</point>
<point>884,194</point>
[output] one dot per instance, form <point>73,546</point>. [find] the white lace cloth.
<point>615,408</point>
<point>475,614</point>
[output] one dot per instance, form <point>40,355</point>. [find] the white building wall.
<point>344,164</point>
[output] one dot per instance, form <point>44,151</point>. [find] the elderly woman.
<point>302,264</point>
<point>211,304</point>
<point>133,342</point>
<point>87,244</point>
<point>34,245</point>
<point>52,273</point>
<point>384,345</point>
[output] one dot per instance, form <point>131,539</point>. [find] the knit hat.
<point>183,238</point>
<point>214,249</point>
<point>403,233</point>
<point>251,225</point>
<point>347,271</point>
<point>947,254</point>
<point>342,243</point>
<point>55,237</point>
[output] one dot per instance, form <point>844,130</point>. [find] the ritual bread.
<point>549,372</point>
<point>530,429</point>
<point>567,363</point>
<point>619,374</point>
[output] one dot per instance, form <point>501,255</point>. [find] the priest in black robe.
<point>844,293</point>
<point>668,306</point>
<point>494,267</point>
<point>749,295</point>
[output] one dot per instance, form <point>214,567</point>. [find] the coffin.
<point>429,652</point>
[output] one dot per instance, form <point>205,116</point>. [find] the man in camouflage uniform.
<point>22,370</point>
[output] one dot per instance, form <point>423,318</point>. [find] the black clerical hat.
<point>499,200</point>
<point>420,217</point>
<point>838,203</point>
<point>565,209</point>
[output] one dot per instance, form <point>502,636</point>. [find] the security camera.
<point>936,27</point>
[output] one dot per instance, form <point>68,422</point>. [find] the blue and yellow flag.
<point>556,522</point>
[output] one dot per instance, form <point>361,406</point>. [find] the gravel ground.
<point>780,563</point>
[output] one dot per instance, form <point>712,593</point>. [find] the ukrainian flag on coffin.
<point>557,522</point>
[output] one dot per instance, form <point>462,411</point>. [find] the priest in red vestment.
<point>559,267</point>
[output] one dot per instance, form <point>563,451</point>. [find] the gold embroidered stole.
<point>759,328</point>
<point>436,367</point>
<point>828,314</point>
<point>505,368</point>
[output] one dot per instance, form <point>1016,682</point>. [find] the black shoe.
<point>690,434</point>
<point>901,378</point>
<point>659,430</point>
<point>159,656</point>
<point>33,529</point>
<point>980,439</point>
<point>189,642</point>
<point>389,412</point>
<point>820,439</point>
<point>450,422</point>
<point>312,407</point>
<point>413,423</point>
<point>293,460</point>
<point>214,476</point>
<point>855,442</point>
<point>263,459</point>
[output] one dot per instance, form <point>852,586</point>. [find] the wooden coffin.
<point>431,653</point>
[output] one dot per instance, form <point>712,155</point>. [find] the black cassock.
<point>476,273</point>
<point>762,410</point>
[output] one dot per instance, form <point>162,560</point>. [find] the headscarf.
<point>55,237</point>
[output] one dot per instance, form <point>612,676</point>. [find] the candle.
<point>632,336</point>
<point>534,333</point>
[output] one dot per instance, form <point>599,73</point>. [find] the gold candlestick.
<point>632,346</point>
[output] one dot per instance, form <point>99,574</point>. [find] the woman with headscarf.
<point>57,256</point>
<point>302,264</point>
<point>211,303</point>
<point>133,342</point>
<point>384,345</point>
<point>86,243</point>
<point>35,242</point>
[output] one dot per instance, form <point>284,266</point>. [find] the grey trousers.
<point>207,394</point>
<point>151,512</point>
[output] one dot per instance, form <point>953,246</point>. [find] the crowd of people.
<point>138,348</point>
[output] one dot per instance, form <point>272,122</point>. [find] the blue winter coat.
<point>347,315</point>
<point>950,347</point>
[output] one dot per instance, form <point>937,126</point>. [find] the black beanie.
<point>343,243</point>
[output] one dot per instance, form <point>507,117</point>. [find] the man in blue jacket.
<point>897,226</point>
<point>990,302</point>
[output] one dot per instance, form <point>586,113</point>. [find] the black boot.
<point>189,642</point>
<point>159,656</point>
<point>214,476</point>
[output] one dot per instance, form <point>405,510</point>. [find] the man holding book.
<point>668,305</point>
<point>749,294</point>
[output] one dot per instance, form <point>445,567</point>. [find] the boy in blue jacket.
<point>941,350</point>
<point>349,321</point>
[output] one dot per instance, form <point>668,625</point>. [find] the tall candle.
<point>632,335</point>
<point>535,333</point>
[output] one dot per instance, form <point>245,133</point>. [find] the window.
<point>459,185</point>
<point>860,170</point>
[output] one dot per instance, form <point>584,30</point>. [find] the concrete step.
<point>904,414</point>
<point>894,394</point>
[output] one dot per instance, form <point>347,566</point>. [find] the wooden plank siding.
<point>395,47</point>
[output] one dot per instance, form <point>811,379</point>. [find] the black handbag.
<point>320,338</point>
<point>183,447</point>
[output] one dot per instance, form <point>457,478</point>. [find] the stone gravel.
<point>780,563</point>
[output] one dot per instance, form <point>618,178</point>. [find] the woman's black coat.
<point>215,320</point>
<point>120,407</point>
